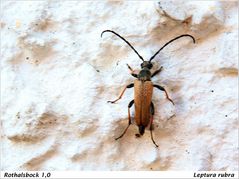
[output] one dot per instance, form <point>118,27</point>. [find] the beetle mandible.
<point>143,90</point>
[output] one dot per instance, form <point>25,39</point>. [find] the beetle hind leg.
<point>151,123</point>
<point>129,117</point>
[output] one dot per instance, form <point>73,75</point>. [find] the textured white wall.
<point>57,74</point>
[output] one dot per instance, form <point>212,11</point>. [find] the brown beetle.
<point>143,91</point>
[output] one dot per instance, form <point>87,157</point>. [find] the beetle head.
<point>146,64</point>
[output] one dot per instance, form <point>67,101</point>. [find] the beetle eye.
<point>150,65</point>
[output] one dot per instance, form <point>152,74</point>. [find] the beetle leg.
<point>151,122</point>
<point>121,94</point>
<point>157,71</point>
<point>132,72</point>
<point>134,75</point>
<point>162,89</point>
<point>129,106</point>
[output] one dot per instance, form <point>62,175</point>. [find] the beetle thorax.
<point>144,75</point>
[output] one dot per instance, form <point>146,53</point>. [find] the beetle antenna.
<point>184,35</point>
<point>125,41</point>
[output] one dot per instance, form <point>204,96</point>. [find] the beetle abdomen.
<point>143,91</point>
<point>141,129</point>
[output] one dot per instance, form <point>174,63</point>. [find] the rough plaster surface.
<point>57,74</point>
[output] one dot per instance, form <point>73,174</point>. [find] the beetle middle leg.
<point>121,94</point>
<point>157,71</point>
<point>162,89</point>
<point>129,117</point>
<point>151,122</point>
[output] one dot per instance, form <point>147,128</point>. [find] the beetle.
<point>143,90</point>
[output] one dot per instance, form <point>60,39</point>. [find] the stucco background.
<point>57,74</point>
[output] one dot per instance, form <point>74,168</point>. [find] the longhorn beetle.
<point>143,90</point>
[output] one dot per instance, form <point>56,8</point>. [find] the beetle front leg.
<point>162,89</point>
<point>132,72</point>
<point>156,72</point>
<point>121,94</point>
<point>151,122</point>
<point>129,117</point>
